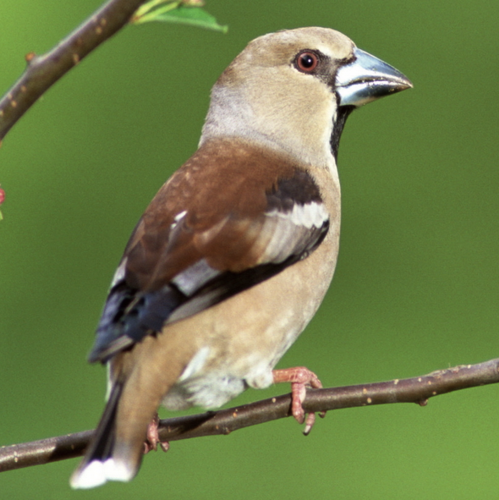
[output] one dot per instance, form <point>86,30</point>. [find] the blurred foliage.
<point>188,12</point>
<point>416,288</point>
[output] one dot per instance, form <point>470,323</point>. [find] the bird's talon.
<point>309,423</point>
<point>152,437</point>
<point>300,378</point>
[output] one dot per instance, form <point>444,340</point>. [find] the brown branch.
<point>411,390</point>
<point>43,71</point>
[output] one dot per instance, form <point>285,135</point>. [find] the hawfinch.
<point>235,253</point>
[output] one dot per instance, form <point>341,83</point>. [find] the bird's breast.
<point>240,340</point>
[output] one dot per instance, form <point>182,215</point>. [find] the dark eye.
<point>306,61</point>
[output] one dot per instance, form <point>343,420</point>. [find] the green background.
<point>416,288</point>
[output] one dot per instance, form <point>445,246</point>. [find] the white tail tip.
<point>97,473</point>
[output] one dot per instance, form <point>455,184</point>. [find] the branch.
<point>43,71</point>
<point>411,390</point>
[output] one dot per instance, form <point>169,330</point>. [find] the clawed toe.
<point>152,437</point>
<point>300,378</point>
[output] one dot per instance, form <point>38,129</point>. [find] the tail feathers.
<point>103,461</point>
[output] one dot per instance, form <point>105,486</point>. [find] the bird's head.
<point>292,91</point>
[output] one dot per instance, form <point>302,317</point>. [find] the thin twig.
<point>44,70</point>
<point>411,390</point>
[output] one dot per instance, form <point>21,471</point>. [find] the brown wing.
<point>227,220</point>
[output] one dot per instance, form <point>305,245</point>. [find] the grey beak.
<point>366,79</point>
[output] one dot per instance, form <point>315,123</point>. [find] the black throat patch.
<point>341,118</point>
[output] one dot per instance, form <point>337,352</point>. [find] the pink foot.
<point>300,378</point>
<point>152,437</point>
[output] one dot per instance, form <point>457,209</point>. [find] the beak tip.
<point>409,84</point>
<point>368,78</point>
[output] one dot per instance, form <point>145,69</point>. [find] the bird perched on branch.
<point>235,253</point>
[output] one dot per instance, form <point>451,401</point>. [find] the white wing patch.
<point>194,277</point>
<point>285,232</point>
<point>308,215</point>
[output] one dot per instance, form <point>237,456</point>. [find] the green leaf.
<point>192,16</point>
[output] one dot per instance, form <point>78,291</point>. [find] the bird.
<point>233,256</point>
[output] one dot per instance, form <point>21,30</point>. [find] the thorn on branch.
<point>29,57</point>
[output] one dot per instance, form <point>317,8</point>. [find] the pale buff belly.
<point>238,346</point>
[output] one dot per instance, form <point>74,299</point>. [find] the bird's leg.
<point>152,437</point>
<point>300,378</point>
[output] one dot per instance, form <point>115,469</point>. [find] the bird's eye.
<point>306,61</point>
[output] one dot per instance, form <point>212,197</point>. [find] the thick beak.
<point>366,79</point>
